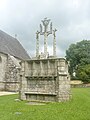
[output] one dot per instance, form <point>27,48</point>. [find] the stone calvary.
<point>45,77</point>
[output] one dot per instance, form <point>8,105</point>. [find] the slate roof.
<point>12,46</point>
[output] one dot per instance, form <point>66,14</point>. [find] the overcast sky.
<point>71,18</point>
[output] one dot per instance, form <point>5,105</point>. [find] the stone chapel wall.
<point>9,73</point>
<point>12,75</point>
<point>3,64</point>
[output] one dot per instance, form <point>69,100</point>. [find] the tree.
<point>78,55</point>
<point>83,72</point>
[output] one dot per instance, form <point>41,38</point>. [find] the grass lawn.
<point>76,109</point>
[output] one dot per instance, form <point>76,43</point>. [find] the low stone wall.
<point>80,85</point>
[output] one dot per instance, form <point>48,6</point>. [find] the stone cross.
<point>54,42</point>
<point>46,32</point>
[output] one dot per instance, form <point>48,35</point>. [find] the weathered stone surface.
<point>9,73</point>
<point>45,80</point>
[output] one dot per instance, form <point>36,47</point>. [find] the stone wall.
<point>45,80</point>
<point>3,64</point>
<point>9,73</point>
<point>12,76</point>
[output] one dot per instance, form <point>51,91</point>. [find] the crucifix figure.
<point>46,32</point>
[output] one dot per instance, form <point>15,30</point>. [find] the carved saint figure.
<point>37,34</point>
<point>54,33</point>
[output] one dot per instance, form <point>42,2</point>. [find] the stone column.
<point>54,47</point>
<point>45,44</point>
<point>37,43</point>
<point>26,69</point>
<point>63,83</point>
<point>49,72</point>
<point>41,68</point>
<point>23,83</point>
<point>54,43</point>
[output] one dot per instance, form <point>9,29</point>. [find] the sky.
<point>71,18</point>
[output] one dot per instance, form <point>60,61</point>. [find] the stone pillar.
<point>37,44</point>
<point>45,44</point>
<point>49,72</point>
<point>34,69</point>
<point>23,83</point>
<point>41,68</point>
<point>54,47</point>
<point>26,69</point>
<point>54,43</point>
<point>63,83</point>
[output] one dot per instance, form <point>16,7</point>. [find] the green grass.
<point>76,109</point>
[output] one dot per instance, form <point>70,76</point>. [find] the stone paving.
<point>35,103</point>
<point>6,93</point>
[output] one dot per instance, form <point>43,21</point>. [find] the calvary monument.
<point>45,77</point>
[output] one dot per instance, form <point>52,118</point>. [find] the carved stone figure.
<point>54,31</point>
<point>37,34</point>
